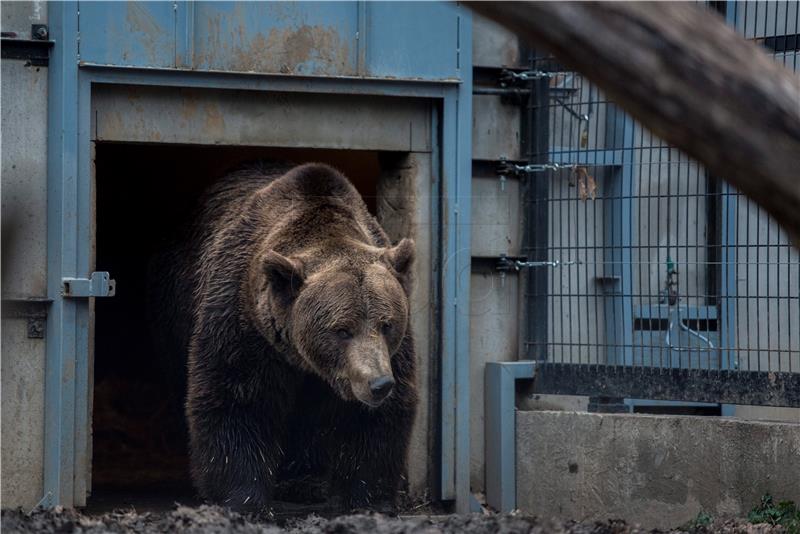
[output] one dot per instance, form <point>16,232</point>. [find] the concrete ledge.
<point>659,471</point>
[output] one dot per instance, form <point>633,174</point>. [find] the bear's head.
<point>344,318</point>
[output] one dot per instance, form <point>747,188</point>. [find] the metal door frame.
<point>70,242</point>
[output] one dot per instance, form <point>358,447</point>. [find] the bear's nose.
<point>381,387</point>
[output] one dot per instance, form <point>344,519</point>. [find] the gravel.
<point>212,519</point>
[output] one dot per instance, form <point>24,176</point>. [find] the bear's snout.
<point>369,370</point>
<point>381,387</point>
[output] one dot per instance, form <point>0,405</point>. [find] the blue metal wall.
<point>400,49</point>
<point>398,40</point>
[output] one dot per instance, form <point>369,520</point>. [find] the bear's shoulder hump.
<point>318,179</point>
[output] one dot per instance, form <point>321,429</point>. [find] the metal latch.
<point>506,168</point>
<point>99,284</point>
<point>506,263</point>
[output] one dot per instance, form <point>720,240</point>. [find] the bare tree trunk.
<point>690,79</point>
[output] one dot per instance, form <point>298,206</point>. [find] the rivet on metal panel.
<point>40,32</point>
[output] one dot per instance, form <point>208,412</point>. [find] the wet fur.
<point>256,409</point>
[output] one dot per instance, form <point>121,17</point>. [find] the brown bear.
<point>294,308</point>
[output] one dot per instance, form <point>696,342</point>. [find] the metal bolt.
<point>40,32</point>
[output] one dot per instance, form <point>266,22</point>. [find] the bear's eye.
<point>386,328</point>
<point>343,333</point>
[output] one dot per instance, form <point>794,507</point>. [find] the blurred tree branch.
<point>689,78</point>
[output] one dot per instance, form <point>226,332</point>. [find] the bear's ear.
<point>401,258</point>
<point>284,276</point>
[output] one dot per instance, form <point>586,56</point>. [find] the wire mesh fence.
<point>640,257</point>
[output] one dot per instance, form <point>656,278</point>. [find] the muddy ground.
<point>212,520</point>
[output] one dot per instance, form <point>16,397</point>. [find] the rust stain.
<point>215,121</point>
<point>301,50</point>
<point>154,136</point>
<point>139,20</point>
<point>188,108</point>
<point>213,44</point>
<point>110,127</point>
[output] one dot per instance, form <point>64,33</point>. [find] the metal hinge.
<point>99,284</point>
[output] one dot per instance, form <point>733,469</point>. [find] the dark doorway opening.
<point>144,193</point>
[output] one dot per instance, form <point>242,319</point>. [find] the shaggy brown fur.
<point>294,308</point>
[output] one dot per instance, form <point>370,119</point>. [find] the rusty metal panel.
<point>495,129</point>
<point>245,118</point>
<point>405,40</point>
<point>493,45</point>
<point>24,179</point>
<point>128,33</point>
<point>415,39</point>
<point>278,37</point>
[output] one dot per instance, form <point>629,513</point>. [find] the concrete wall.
<point>659,471</point>
<point>24,256</point>
<point>496,229</point>
<point>404,210</point>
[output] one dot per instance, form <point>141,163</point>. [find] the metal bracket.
<point>505,167</point>
<point>33,310</point>
<point>500,431</point>
<point>35,50</point>
<point>40,32</point>
<point>99,284</point>
<point>506,264</point>
<point>508,76</point>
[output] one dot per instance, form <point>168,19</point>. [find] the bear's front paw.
<point>302,490</point>
<point>248,500</point>
<point>360,496</point>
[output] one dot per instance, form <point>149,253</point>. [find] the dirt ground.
<point>212,520</point>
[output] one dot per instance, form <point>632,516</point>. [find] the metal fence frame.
<point>618,376</point>
<point>709,374</point>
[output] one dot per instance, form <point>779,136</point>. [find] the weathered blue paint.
<point>449,309</point>
<point>380,39</point>
<point>404,40</point>
<point>728,241</point>
<point>114,49</point>
<point>184,34</point>
<point>269,82</point>
<point>463,251</point>
<point>66,318</point>
<point>727,323</point>
<point>500,430</point>
<point>128,33</point>
<point>291,37</point>
<point>456,254</point>
<point>618,237</point>
<point>85,266</point>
